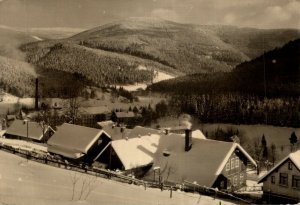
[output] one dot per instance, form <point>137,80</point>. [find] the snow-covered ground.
<point>159,77</point>
<point>21,144</point>
<point>29,182</point>
<point>37,38</point>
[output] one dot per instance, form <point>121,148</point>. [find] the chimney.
<point>188,140</point>
<point>36,93</point>
<point>167,130</point>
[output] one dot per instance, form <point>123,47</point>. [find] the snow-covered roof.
<point>197,134</point>
<point>19,128</point>
<point>75,137</point>
<point>294,157</point>
<point>136,152</point>
<point>203,163</point>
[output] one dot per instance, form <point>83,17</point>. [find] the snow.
<point>24,145</point>
<point>37,38</point>
<point>41,184</point>
<point>158,77</point>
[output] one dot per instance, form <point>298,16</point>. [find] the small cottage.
<point>282,182</point>
<point>79,143</point>
<point>28,130</point>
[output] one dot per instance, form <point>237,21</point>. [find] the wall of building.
<point>277,188</point>
<point>96,148</point>
<point>235,170</point>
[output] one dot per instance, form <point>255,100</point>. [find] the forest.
<point>16,77</point>
<point>265,90</point>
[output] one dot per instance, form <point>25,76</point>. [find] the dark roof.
<point>203,163</point>
<point>19,128</point>
<point>75,137</point>
<point>125,114</point>
<point>294,157</point>
<point>95,110</point>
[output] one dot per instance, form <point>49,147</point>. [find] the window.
<point>235,180</point>
<point>99,141</point>
<point>232,163</point>
<point>237,162</point>
<point>283,179</point>
<point>290,165</point>
<point>273,179</point>
<point>241,178</point>
<point>296,181</point>
<point>228,166</point>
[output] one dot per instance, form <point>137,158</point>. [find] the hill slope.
<point>279,69</point>
<point>16,77</point>
<point>173,47</point>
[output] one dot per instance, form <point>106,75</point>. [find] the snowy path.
<point>24,182</point>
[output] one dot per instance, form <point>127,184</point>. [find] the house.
<point>126,118</point>
<point>210,163</point>
<point>28,130</point>
<point>79,143</point>
<point>283,180</point>
<point>9,119</point>
<point>91,115</point>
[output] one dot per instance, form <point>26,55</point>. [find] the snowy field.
<point>29,182</point>
<point>159,77</point>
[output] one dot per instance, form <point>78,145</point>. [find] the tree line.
<point>238,109</point>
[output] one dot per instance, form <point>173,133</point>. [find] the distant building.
<point>282,182</point>
<point>89,116</point>
<point>126,118</point>
<point>78,143</point>
<point>210,163</point>
<point>18,130</point>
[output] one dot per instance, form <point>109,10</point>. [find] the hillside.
<point>265,90</point>
<point>16,77</point>
<point>11,40</point>
<point>172,47</point>
<point>280,68</point>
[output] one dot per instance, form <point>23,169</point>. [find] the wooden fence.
<point>51,160</point>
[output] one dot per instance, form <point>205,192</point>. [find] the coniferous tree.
<point>264,147</point>
<point>293,140</point>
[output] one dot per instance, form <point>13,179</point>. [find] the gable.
<point>292,157</point>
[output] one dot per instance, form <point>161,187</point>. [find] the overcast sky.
<point>91,13</point>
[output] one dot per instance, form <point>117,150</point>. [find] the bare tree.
<point>74,180</point>
<point>85,188</point>
<point>73,108</point>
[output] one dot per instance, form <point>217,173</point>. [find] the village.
<point>114,145</point>
<point>160,102</point>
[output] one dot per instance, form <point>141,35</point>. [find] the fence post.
<point>171,190</point>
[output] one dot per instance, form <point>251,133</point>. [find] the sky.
<point>91,13</point>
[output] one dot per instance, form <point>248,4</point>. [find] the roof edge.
<point>276,166</point>
<point>223,163</point>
